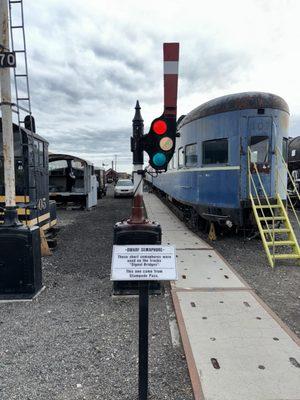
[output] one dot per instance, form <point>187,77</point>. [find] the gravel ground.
<point>76,342</point>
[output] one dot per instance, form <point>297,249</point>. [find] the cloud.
<point>90,62</point>
<point>294,126</point>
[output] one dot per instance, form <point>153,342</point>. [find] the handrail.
<point>266,224</point>
<point>272,236</point>
<point>293,182</point>
<point>277,151</point>
<point>291,203</point>
<point>287,169</point>
<point>270,233</point>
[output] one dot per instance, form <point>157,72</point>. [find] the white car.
<point>124,187</point>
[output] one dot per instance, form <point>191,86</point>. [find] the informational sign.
<point>7,60</point>
<point>143,263</point>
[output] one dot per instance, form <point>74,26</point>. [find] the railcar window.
<point>215,151</point>
<point>36,152</point>
<point>191,157</point>
<point>58,164</point>
<point>78,165</point>
<point>19,174</point>
<point>18,149</point>
<point>174,161</point>
<point>41,153</point>
<point>259,146</point>
<point>180,157</point>
<point>285,149</point>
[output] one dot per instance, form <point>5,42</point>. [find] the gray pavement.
<point>74,342</point>
<point>279,287</point>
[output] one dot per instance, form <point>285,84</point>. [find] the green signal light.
<point>159,159</point>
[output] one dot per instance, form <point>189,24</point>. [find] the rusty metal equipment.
<point>72,180</point>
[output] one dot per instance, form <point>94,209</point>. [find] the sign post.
<point>143,263</point>
<point>138,257</point>
<point>143,339</point>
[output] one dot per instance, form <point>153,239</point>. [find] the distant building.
<point>111,175</point>
<point>124,175</point>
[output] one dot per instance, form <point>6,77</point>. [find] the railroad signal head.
<point>159,143</point>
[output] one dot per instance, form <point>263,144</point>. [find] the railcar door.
<point>261,146</point>
<point>40,171</point>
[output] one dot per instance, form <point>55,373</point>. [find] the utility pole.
<point>20,245</point>
<point>10,213</point>
<point>116,162</point>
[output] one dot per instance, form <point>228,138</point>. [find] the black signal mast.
<point>160,141</point>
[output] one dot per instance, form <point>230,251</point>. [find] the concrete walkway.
<point>236,347</point>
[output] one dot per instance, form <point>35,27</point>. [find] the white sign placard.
<point>143,263</point>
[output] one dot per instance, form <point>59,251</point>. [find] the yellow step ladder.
<point>267,217</point>
<point>277,234</point>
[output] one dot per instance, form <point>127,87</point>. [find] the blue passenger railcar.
<point>209,171</point>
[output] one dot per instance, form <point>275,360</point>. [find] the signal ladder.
<point>22,101</point>
<point>21,82</point>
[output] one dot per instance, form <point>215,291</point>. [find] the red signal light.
<point>159,127</point>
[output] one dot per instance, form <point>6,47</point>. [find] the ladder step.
<point>15,1</point>
<point>19,51</point>
<point>266,206</point>
<point>17,26</point>
<point>282,243</point>
<point>285,256</point>
<point>23,98</point>
<point>20,75</point>
<point>281,218</point>
<point>278,230</point>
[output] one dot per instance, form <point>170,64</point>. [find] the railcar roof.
<point>237,101</point>
<point>56,157</point>
<point>35,135</point>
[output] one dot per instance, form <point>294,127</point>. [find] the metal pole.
<point>10,215</point>
<point>137,216</point>
<point>143,339</point>
<point>116,162</point>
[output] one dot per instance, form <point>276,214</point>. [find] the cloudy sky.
<point>89,61</point>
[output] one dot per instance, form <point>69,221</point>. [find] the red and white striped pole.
<point>171,60</point>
